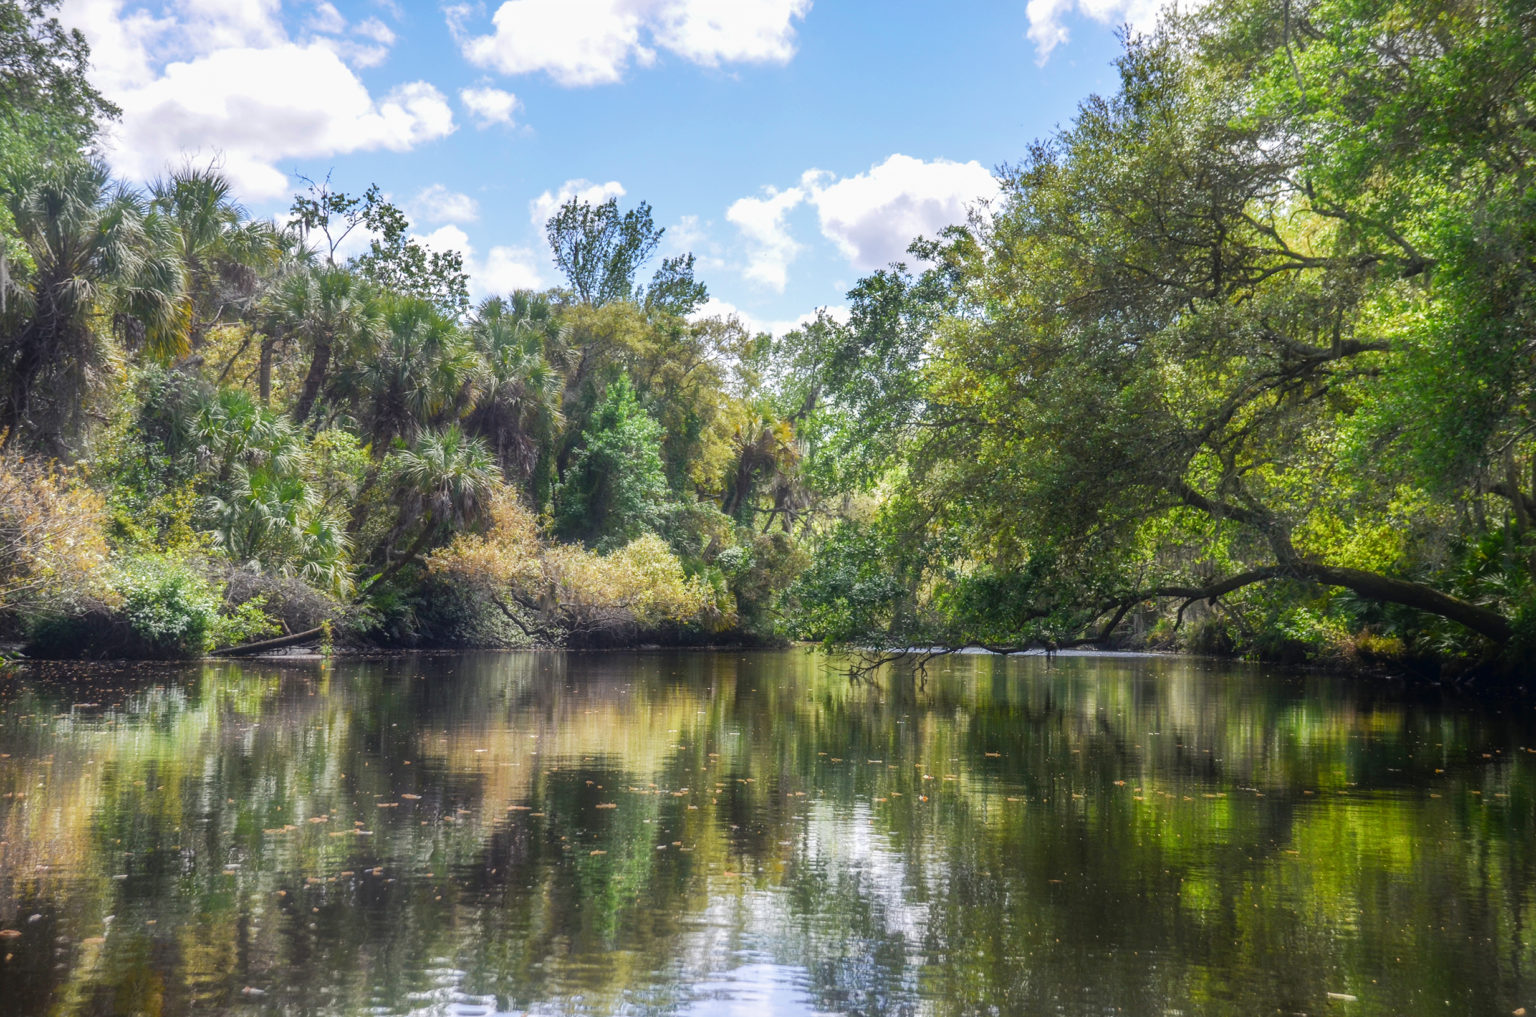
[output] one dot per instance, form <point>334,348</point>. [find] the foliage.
<point>615,489</point>
<point>565,593</point>
<point>52,536</point>
<point>599,249</point>
<point>1201,345</point>
<point>93,249</point>
<point>168,603</point>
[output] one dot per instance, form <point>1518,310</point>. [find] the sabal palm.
<point>262,507</point>
<point>101,258</point>
<point>327,311</point>
<point>517,403</point>
<point>444,483</point>
<point>224,251</point>
<point>418,375</point>
<point>766,455</point>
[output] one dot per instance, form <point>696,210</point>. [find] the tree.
<point>600,249</point>
<point>225,253</point>
<point>100,258</point>
<point>324,311</point>
<point>517,403</point>
<point>45,96</point>
<point>443,484</point>
<point>674,290</point>
<point>1167,364</point>
<point>415,375</point>
<point>616,489</point>
<point>395,261</point>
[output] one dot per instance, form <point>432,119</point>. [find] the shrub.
<point>52,543</point>
<point>169,604</point>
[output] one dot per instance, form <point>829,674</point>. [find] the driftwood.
<point>245,649</point>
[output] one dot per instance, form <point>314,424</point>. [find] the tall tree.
<point>616,488</point>
<point>100,260</point>
<point>1173,361</point>
<point>600,249</point>
<point>225,253</point>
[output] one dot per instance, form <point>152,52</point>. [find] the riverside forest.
<point>1239,361</point>
<point>1124,603</point>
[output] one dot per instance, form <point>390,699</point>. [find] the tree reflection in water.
<point>699,833</point>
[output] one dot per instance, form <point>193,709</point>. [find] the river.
<point>704,833</point>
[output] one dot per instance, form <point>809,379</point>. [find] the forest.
<point>1241,361</point>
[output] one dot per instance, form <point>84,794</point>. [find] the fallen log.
<point>244,649</point>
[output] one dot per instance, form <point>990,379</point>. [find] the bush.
<point>168,604</point>
<point>52,544</point>
<point>161,606</point>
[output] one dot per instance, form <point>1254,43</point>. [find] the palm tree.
<point>225,252</point>
<point>262,507</point>
<point>444,483</point>
<point>327,310</point>
<point>102,260</point>
<point>419,374</point>
<point>517,404</point>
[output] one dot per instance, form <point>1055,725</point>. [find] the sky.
<point>793,146</point>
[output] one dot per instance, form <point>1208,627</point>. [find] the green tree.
<point>226,254</point>
<point>442,485</point>
<point>322,312</point>
<point>517,402</point>
<point>101,260</point>
<point>1174,359</point>
<point>616,488</point>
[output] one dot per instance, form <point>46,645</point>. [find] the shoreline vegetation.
<point>1239,362</point>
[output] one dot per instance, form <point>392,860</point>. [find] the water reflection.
<point>696,833</point>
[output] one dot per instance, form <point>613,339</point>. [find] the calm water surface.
<point>701,834</point>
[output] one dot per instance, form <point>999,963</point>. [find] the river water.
<point>743,834</point>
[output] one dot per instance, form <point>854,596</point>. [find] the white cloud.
<point>120,44</point>
<point>503,269</point>
<point>548,203</point>
<point>712,32</point>
<point>373,28</point>
<point>873,216</point>
<point>717,308</point>
<point>1047,27</point>
<point>490,105</point>
<point>438,204</point>
<point>221,79</point>
<point>327,19</point>
<point>578,42</point>
<point>510,268</point>
<point>217,24</point>
<point>259,106</point>
<point>762,225</point>
<point>592,42</point>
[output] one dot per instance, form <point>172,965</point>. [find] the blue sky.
<point>792,145</point>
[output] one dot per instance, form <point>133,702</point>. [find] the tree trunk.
<point>245,649</point>
<point>319,364</point>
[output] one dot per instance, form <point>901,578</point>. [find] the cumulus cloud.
<point>712,32</point>
<point>592,42</point>
<point>873,216</point>
<point>1047,24</point>
<point>438,204</point>
<point>502,270</point>
<point>490,106</point>
<point>770,248</point>
<point>373,28</point>
<point>221,79</point>
<point>326,18</point>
